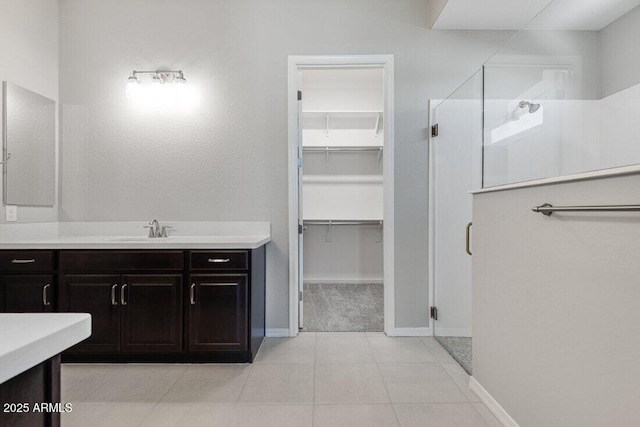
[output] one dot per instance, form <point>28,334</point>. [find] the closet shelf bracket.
<point>377,128</point>
<point>327,132</point>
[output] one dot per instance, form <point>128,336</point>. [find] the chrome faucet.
<point>155,230</point>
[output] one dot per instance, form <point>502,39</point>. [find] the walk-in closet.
<point>342,199</point>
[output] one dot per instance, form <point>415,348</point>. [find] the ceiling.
<point>591,15</point>
<point>586,15</point>
<point>487,14</point>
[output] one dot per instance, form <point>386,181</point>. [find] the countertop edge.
<point>153,245</point>
<point>31,354</point>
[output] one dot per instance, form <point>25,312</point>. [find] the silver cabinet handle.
<point>23,261</point>
<point>113,295</point>
<point>192,294</point>
<point>45,298</point>
<point>122,300</point>
<point>219,260</point>
<point>468,244</point>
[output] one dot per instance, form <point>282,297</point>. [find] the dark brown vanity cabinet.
<point>146,305</point>
<point>226,301</point>
<point>151,313</point>
<point>27,293</point>
<point>136,312</point>
<point>96,294</point>
<point>218,312</point>
<point>26,281</point>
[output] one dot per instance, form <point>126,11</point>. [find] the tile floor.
<point>316,379</point>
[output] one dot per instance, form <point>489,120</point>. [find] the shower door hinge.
<point>300,228</point>
<point>433,313</point>
<point>299,295</point>
<point>299,95</point>
<point>434,130</point>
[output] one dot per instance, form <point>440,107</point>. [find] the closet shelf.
<point>323,149</point>
<point>377,114</point>
<point>342,112</point>
<point>345,149</point>
<point>342,179</point>
<point>378,222</point>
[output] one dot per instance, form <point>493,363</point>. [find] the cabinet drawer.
<point>96,261</point>
<point>219,260</point>
<point>26,261</point>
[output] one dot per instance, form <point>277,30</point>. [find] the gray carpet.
<point>343,307</point>
<point>461,350</point>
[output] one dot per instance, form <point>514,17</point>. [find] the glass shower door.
<point>457,170</point>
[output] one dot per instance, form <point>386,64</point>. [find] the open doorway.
<point>341,188</point>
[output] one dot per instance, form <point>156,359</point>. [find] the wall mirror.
<point>29,135</point>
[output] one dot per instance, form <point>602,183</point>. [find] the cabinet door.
<point>28,294</point>
<point>218,312</point>
<point>97,295</point>
<point>151,313</point>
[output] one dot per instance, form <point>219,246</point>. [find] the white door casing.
<point>297,63</point>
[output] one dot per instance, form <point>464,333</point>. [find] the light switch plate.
<point>11,213</point>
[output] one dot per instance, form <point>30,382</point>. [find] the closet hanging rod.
<point>343,222</point>
<point>325,149</point>
<point>548,209</point>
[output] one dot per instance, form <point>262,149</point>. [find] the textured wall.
<point>29,58</point>
<point>227,159</point>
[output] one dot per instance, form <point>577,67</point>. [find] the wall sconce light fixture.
<point>158,77</point>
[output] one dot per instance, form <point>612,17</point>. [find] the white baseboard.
<point>410,332</point>
<point>453,332</point>
<point>277,332</point>
<point>492,404</point>
<point>344,281</point>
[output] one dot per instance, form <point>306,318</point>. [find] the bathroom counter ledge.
<point>29,339</point>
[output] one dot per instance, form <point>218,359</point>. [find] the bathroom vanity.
<point>185,298</point>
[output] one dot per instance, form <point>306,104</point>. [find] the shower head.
<point>532,107</point>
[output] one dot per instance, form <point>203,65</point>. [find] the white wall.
<point>29,58</point>
<point>620,68</point>
<point>343,254</point>
<point>555,310</point>
<point>227,160</point>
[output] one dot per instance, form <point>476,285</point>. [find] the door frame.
<point>296,63</point>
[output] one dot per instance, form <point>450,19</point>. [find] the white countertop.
<point>28,339</point>
<point>132,235</point>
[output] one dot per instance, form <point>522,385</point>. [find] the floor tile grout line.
<point>384,383</point>
<point>88,395</point>
<point>246,380</point>
<point>162,397</point>
<point>478,412</point>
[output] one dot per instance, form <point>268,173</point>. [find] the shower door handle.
<point>468,239</point>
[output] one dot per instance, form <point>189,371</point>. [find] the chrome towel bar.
<point>548,209</point>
